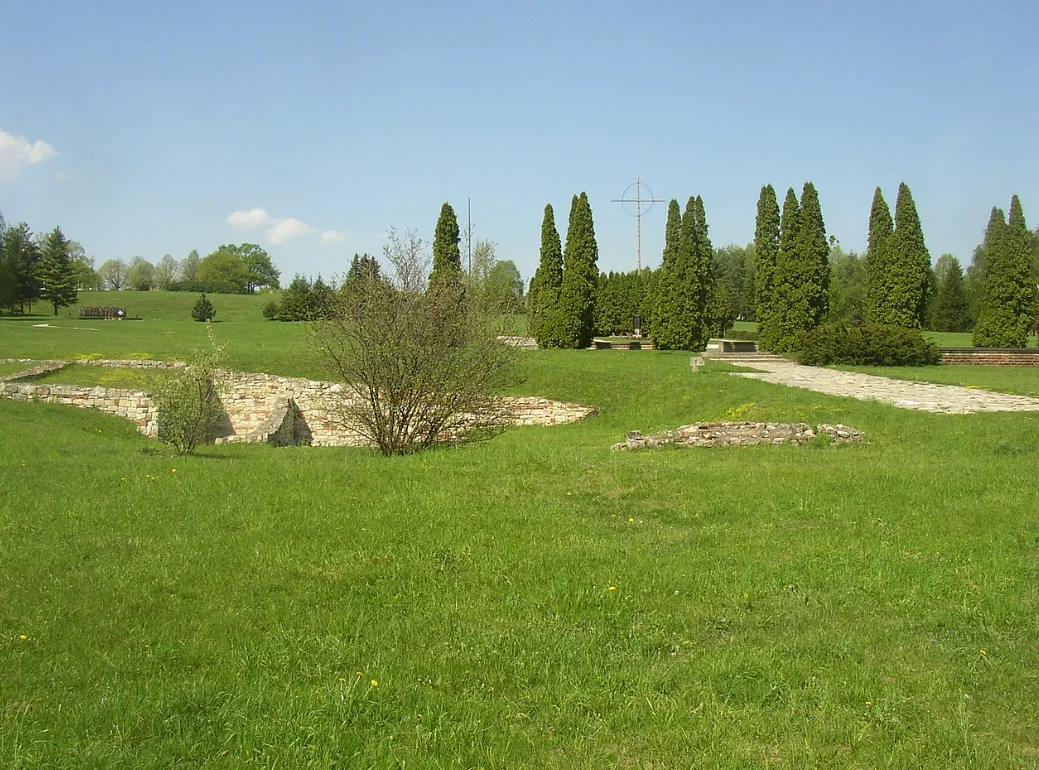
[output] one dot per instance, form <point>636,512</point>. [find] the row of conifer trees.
<point>682,304</point>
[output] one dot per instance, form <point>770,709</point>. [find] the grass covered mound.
<point>533,601</point>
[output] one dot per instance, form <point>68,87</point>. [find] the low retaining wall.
<point>717,434</point>
<point>258,408</point>
<point>991,356</point>
<point>131,405</point>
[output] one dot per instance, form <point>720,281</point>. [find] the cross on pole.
<point>638,200</point>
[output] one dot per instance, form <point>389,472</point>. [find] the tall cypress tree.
<point>815,256</point>
<point>902,289</point>
<point>702,280</point>
<point>580,275</point>
<point>681,320</point>
<point>783,319</point>
<point>766,251</point>
<point>544,288</point>
<point>670,277</point>
<point>1008,294</point>
<point>447,258</point>
<point>878,272</point>
<point>56,274</point>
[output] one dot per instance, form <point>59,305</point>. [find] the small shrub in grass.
<point>867,345</point>
<point>188,401</point>
<point>203,310</point>
<point>270,311</point>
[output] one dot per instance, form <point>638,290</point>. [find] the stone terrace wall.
<point>991,356</point>
<point>131,405</point>
<point>259,408</point>
<point>257,404</point>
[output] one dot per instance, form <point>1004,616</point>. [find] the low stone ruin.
<point>715,434</point>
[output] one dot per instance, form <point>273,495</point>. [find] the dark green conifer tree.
<point>704,283</point>
<point>951,309</point>
<point>681,318</point>
<point>543,297</point>
<point>56,274</point>
<point>1008,292</point>
<point>878,271</point>
<point>670,282</point>
<point>580,274</point>
<point>782,324</point>
<point>447,258</point>
<point>899,293</point>
<point>766,252</point>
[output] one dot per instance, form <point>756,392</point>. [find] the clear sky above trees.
<point>153,130</point>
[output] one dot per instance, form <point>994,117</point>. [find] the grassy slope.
<point>814,606</point>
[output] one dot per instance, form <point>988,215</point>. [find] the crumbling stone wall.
<point>259,408</point>
<point>716,434</point>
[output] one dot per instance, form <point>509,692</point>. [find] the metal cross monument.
<point>638,200</point>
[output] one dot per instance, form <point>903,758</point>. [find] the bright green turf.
<point>13,368</point>
<point>872,606</point>
<point>104,376</point>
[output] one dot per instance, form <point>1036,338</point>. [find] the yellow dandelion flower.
<point>869,704</point>
<point>630,520</point>
<point>613,588</point>
<point>23,637</point>
<point>984,652</point>
<point>746,596</point>
<point>375,683</point>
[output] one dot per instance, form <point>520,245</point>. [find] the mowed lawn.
<point>534,601</point>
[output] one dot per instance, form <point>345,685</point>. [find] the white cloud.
<point>287,228</point>
<point>17,151</point>
<point>250,218</point>
<point>332,236</point>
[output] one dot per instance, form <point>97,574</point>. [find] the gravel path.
<point>947,399</point>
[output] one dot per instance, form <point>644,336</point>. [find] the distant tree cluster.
<point>46,268</point>
<point>231,269</point>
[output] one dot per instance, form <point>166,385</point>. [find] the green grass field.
<point>534,601</point>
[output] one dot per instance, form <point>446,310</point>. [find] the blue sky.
<point>143,130</point>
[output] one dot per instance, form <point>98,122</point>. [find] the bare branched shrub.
<point>421,363</point>
<point>188,400</point>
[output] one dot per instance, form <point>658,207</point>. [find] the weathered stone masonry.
<point>259,408</point>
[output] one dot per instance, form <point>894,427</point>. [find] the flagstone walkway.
<point>928,397</point>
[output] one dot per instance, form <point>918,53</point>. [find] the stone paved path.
<point>948,399</point>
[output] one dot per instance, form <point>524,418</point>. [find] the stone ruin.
<point>717,434</point>
<point>258,408</point>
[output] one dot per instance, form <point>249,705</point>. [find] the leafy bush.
<point>421,362</point>
<point>270,311</point>
<point>203,310</point>
<point>188,401</point>
<point>867,345</point>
